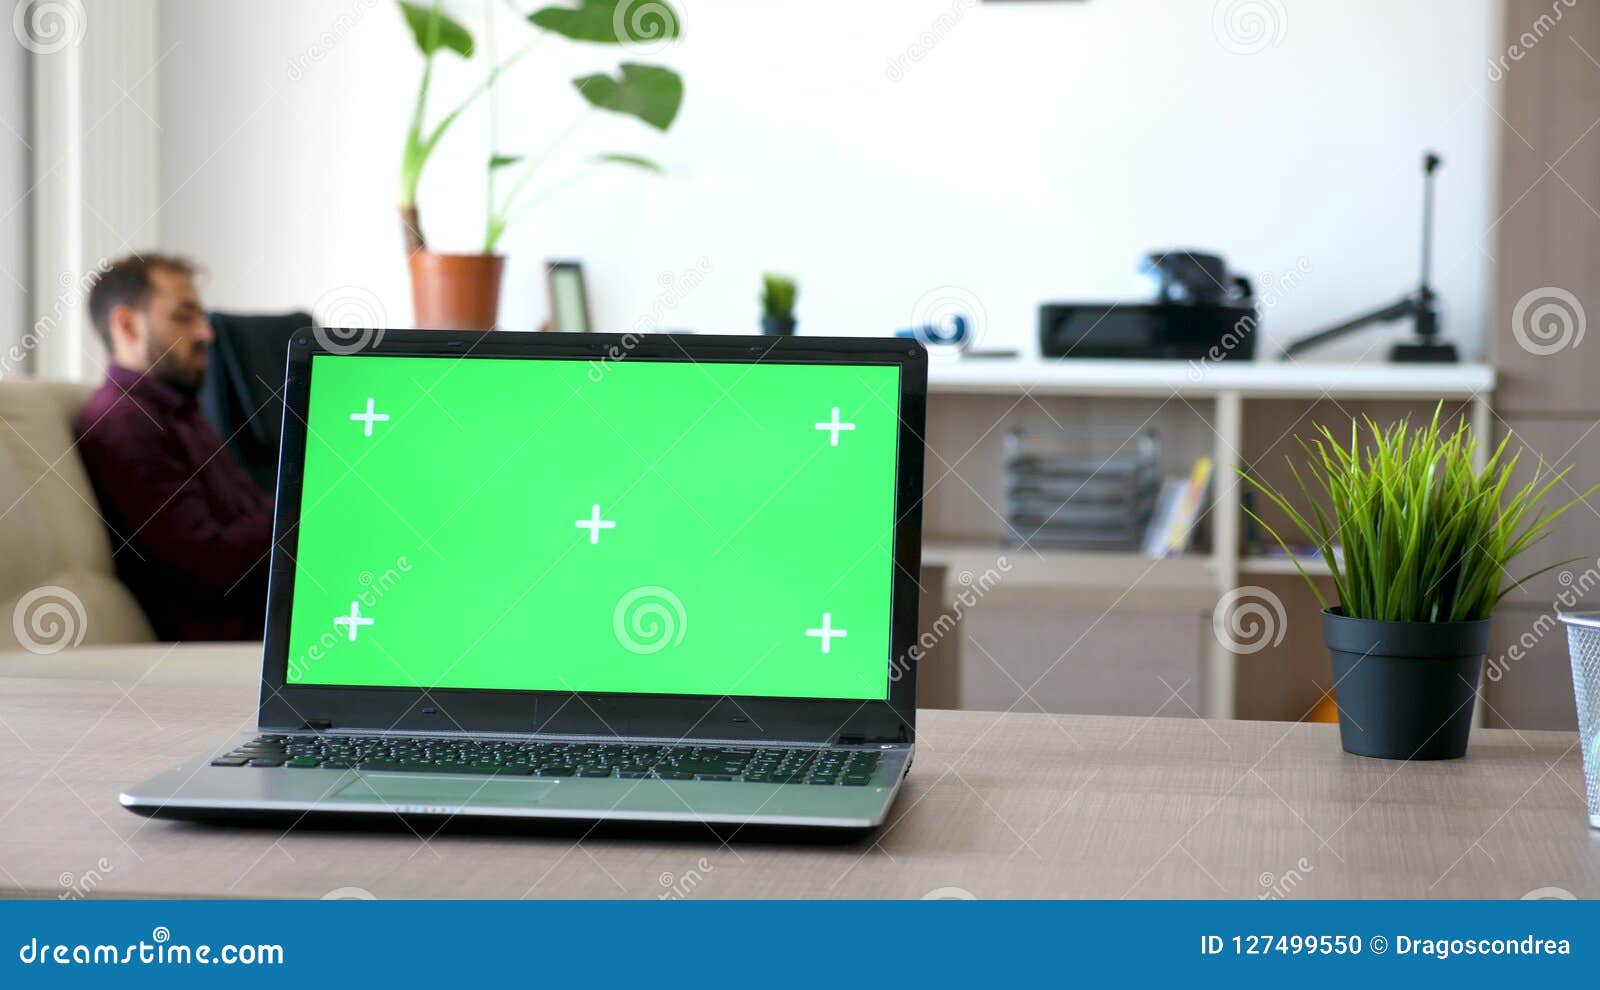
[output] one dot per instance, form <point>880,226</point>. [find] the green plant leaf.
<point>612,22</point>
<point>620,158</point>
<point>503,161</point>
<point>778,295</point>
<point>447,34</point>
<point>648,92</point>
<point>1426,535</point>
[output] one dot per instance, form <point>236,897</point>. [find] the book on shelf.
<point>1178,510</point>
<point>1155,533</point>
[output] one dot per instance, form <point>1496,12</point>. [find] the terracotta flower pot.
<point>456,291</point>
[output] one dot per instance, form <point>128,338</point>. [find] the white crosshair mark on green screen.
<point>369,417</point>
<point>355,620</point>
<point>834,427</point>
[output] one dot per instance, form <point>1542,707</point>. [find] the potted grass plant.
<point>778,294</point>
<point>1418,542</point>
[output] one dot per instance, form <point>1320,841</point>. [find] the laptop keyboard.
<point>749,764</point>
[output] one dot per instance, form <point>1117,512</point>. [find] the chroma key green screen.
<point>567,525</point>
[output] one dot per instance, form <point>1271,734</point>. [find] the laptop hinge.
<point>317,725</point>
<point>850,741</point>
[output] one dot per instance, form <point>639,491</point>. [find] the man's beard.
<point>168,367</point>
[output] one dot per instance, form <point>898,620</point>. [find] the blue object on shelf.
<point>956,331</point>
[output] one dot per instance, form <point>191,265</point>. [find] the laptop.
<point>590,577</point>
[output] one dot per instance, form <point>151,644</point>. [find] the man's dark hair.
<point>126,282</point>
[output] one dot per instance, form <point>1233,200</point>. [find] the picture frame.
<point>569,298</point>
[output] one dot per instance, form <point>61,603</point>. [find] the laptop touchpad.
<point>429,789</point>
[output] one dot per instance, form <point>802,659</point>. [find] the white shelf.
<point>1073,578</point>
<point>1281,565</point>
<point>1254,379</point>
<point>1055,580</point>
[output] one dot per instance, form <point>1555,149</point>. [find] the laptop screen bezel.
<point>288,706</point>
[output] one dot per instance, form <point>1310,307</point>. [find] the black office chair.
<point>243,391</point>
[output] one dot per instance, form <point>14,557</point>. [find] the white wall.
<point>96,164</point>
<point>1031,152</point>
<point>16,176</point>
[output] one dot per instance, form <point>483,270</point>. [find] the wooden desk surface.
<point>1013,805</point>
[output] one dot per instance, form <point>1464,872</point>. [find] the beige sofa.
<point>63,613</point>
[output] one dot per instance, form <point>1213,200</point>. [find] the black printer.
<point>1200,311</point>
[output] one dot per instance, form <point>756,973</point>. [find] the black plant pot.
<point>1405,689</point>
<point>778,326</point>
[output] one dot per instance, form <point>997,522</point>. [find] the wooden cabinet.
<point>1546,240</point>
<point>1558,444</point>
<point>1542,336</point>
<point>1120,662</point>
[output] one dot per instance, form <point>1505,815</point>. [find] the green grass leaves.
<point>1425,536</point>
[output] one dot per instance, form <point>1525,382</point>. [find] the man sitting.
<point>190,531</point>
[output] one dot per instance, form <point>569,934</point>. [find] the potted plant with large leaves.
<point>1418,542</point>
<point>462,291</point>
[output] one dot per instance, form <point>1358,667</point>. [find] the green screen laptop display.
<point>633,526</point>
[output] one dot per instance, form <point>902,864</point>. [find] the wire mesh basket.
<point>1583,640</point>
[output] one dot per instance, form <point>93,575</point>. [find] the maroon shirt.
<point>189,530</point>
